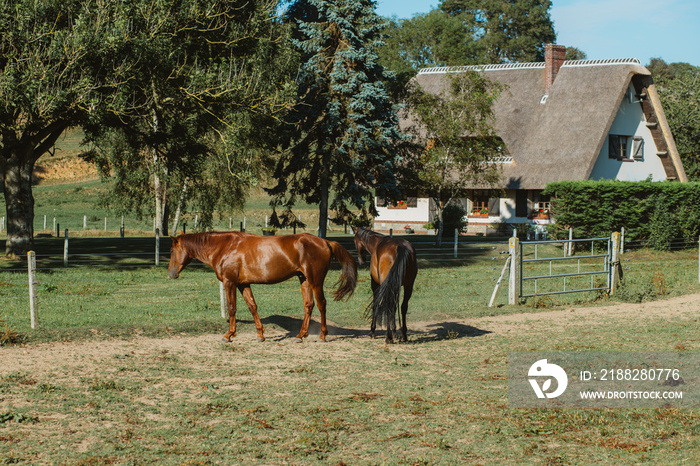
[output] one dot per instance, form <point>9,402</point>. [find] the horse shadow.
<point>435,332</point>
<point>447,331</point>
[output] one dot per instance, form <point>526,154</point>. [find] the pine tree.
<point>343,125</point>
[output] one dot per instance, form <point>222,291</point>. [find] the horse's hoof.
<point>225,340</point>
<point>299,340</point>
<point>261,339</point>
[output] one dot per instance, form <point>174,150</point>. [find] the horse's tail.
<point>386,298</point>
<point>348,277</point>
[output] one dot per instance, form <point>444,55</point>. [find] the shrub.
<point>656,211</point>
<point>452,217</point>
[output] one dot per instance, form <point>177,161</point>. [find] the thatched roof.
<point>561,138</point>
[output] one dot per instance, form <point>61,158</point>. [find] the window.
<point>480,206</point>
<point>410,200</point>
<point>625,148</point>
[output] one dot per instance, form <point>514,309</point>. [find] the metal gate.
<point>596,262</point>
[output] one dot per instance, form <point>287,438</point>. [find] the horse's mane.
<point>196,242</point>
<point>365,234</point>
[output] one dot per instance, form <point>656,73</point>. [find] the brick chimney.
<point>554,56</point>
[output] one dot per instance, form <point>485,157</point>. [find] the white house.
<point>560,120</point>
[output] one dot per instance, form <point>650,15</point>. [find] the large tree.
<point>194,107</point>
<point>49,72</point>
<point>505,30</point>
<point>454,140</point>
<point>343,125</point>
<point>680,96</point>
<point>425,40</point>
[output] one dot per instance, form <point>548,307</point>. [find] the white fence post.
<point>65,249</point>
<point>514,277</point>
<point>456,242</point>
<point>31,268</point>
<point>157,247</point>
<point>615,262</point>
<point>570,245</point>
<point>84,222</point>
<point>622,241</point>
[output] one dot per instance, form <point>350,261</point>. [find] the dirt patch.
<point>70,355</point>
<point>64,169</point>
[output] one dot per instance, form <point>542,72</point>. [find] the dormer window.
<point>625,148</point>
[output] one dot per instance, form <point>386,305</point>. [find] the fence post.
<point>31,268</point>
<point>44,222</point>
<point>105,223</point>
<point>456,241</point>
<point>622,240</point>
<point>570,244</point>
<point>157,247</point>
<point>699,259</point>
<point>615,262</point>
<point>84,222</point>
<point>224,302</point>
<point>65,249</point>
<point>514,277</point>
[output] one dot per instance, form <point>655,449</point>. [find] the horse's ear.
<point>174,239</point>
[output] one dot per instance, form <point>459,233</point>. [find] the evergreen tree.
<point>343,125</point>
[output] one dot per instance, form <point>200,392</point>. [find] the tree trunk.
<point>323,205</point>
<point>180,203</point>
<point>19,201</point>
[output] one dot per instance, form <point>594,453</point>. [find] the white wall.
<point>418,214</point>
<point>629,121</point>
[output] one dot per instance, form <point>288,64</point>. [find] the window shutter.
<point>614,146</point>
<point>412,202</point>
<point>494,207</point>
<point>638,148</point>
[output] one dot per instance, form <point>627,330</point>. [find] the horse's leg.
<point>391,327</point>
<point>409,280</point>
<point>250,301</point>
<point>373,326</point>
<point>308,295</point>
<point>230,289</point>
<point>407,292</point>
<point>321,301</point>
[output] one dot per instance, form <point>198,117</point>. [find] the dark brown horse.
<point>242,259</point>
<point>392,265</point>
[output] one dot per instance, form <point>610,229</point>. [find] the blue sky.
<point>644,29</point>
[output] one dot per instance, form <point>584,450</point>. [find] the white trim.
<point>521,66</point>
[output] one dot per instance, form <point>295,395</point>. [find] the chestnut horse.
<point>242,259</point>
<point>392,265</point>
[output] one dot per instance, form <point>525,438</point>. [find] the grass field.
<point>127,366</point>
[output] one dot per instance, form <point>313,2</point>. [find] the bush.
<point>655,211</point>
<point>453,217</point>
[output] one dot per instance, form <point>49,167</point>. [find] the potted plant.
<point>269,231</point>
<point>408,229</point>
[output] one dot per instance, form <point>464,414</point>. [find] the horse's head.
<point>359,245</point>
<point>179,257</point>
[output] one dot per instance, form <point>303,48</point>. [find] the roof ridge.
<point>532,65</point>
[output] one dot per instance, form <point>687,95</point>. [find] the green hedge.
<point>656,212</point>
